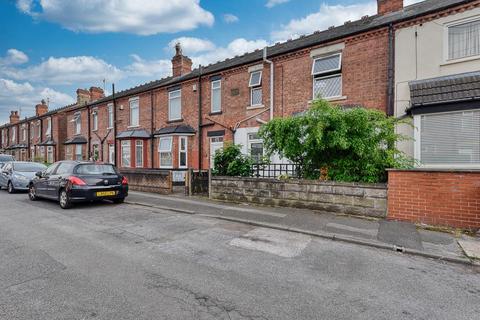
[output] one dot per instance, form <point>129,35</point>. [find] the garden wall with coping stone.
<point>148,180</point>
<point>338,197</point>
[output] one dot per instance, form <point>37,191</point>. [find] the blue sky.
<point>49,48</point>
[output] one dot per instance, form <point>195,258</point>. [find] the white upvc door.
<point>216,143</point>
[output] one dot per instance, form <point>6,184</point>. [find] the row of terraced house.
<point>419,62</point>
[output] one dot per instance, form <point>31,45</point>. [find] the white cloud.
<point>273,3</point>
<point>236,47</point>
<point>192,45</point>
<point>24,96</point>
<point>69,70</point>
<point>328,15</point>
<point>143,17</point>
<point>149,68</point>
<point>14,57</point>
<point>230,18</point>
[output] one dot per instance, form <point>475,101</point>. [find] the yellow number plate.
<point>105,193</point>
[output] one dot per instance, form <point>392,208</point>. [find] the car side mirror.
<point>39,174</point>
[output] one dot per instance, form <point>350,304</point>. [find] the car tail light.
<point>124,181</point>
<point>76,181</point>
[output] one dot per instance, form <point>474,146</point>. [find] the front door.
<point>216,143</point>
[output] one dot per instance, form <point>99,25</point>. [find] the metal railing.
<point>275,170</point>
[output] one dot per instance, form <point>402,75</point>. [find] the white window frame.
<point>170,98</point>
<point>134,101</point>
<point>39,131</point>
<point>110,115</point>
<point>446,58</point>
<point>180,151</point>
<point>252,89</point>
<point>160,151</point>
<point>217,140</point>
<point>111,153</point>
<point>50,155</point>
<point>48,131</point>
<point>32,130</point>
<point>24,133</point>
<point>326,77</point>
<point>417,145</point>
<point>338,68</point>
<point>250,84</point>
<point>212,84</point>
<point>95,119</point>
<point>78,147</point>
<point>125,144</point>
<point>14,134</point>
<point>77,120</point>
<point>138,145</point>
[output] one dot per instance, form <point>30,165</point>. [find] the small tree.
<point>231,162</point>
<point>355,144</point>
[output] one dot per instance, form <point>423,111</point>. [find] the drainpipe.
<point>390,72</point>
<point>114,126</point>
<point>271,79</point>
<point>152,126</point>
<point>29,154</point>
<point>200,140</point>
<point>89,136</point>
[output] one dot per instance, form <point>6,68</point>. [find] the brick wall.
<point>444,198</point>
<point>148,180</point>
<point>346,198</point>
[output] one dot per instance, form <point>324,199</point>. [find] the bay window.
<point>139,153</point>
<point>165,152</point>
<point>125,152</point>
<point>327,76</point>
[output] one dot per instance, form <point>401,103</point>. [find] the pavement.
<point>119,261</point>
<point>390,235</point>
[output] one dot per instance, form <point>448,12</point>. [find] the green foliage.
<point>231,162</point>
<point>353,145</point>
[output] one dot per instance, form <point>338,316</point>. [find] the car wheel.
<point>32,193</point>
<point>64,199</point>
<point>10,187</point>
<point>120,200</point>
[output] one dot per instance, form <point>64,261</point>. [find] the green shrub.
<point>353,145</point>
<point>231,162</point>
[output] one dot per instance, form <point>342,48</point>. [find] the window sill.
<point>175,120</point>
<point>215,113</point>
<point>332,99</point>
<point>256,107</point>
<point>132,127</point>
<point>460,60</point>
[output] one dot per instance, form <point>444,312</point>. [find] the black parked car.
<point>77,181</point>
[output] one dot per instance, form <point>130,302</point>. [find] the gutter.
<point>272,71</point>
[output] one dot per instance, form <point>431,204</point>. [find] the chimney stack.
<point>41,108</point>
<point>180,64</point>
<point>389,6</point>
<point>96,93</point>
<point>83,96</point>
<point>14,117</point>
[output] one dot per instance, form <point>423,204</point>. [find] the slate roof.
<point>179,129</point>
<point>48,142</point>
<point>76,140</point>
<point>319,37</point>
<point>453,88</point>
<point>135,133</point>
<point>17,146</point>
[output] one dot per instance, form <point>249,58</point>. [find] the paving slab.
<point>400,233</point>
<point>471,247</point>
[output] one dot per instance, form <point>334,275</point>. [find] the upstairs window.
<point>24,133</point>
<point>464,40</point>
<point>327,76</point>
<point>216,96</point>
<point>14,134</point>
<point>175,105</point>
<point>95,120</point>
<point>48,131</point>
<point>255,85</point>
<point>32,130</point>
<point>39,130</point>
<point>165,152</point>
<point>134,112</point>
<point>110,115</point>
<point>77,120</point>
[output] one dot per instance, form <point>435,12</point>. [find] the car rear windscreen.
<point>95,169</point>
<point>28,167</point>
<point>5,158</point>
